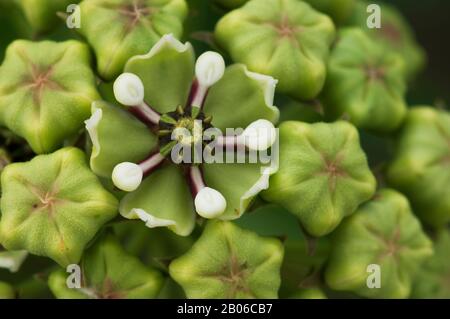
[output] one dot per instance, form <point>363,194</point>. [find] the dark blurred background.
<point>430,20</point>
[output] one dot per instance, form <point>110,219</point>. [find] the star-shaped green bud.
<point>365,83</point>
<point>433,279</point>
<point>120,29</point>
<point>395,34</point>
<point>323,174</point>
<point>109,272</point>
<point>42,14</point>
<point>286,39</point>
<point>53,206</point>
<point>229,262</point>
<point>421,166</point>
<point>46,89</point>
<point>377,251</point>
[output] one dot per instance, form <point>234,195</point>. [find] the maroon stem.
<point>145,114</point>
<point>195,179</point>
<point>151,163</point>
<point>196,90</point>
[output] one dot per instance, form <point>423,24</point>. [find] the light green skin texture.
<point>42,14</point>
<point>395,34</point>
<point>421,166</point>
<point>6,291</point>
<point>286,39</point>
<point>116,33</point>
<point>46,114</point>
<point>108,272</point>
<point>377,102</point>
<point>323,174</point>
<point>229,262</point>
<point>309,293</point>
<point>53,206</point>
<point>432,282</point>
<point>235,101</point>
<point>339,10</point>
<point>385,232</point>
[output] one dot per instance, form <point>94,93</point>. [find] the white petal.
<point>210,203</point>
<point>129,89</point>
<point>268,85</point>
<point>91,127</point>
<point>127,176</point>
<point>12,260</point>
<point>209,68</point>
<point>152,221</point>
<point>259,135</point>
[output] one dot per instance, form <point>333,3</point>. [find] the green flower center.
<point>185,126</point>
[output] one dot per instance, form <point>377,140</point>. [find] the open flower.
<point>173,101</point>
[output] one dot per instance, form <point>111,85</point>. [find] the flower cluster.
<point>142,154</point>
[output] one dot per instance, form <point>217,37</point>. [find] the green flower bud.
<point>285,39</point>
<point>395,34</point>
<point>108,272</point>
<point>432,280</point>
<point>339,10</point>
<point>365,83</point>
<point>229,262</point>
<point>304,256</point>
<point>46,89</point>
<point>421,166</point>
<point>120,29</point>
<point>42,14</point>
<point>6,291</point>
<point>377,251</point>
<point>323,174</point>
<point>53,206</point>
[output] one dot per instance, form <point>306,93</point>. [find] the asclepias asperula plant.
<point>168,99</point>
